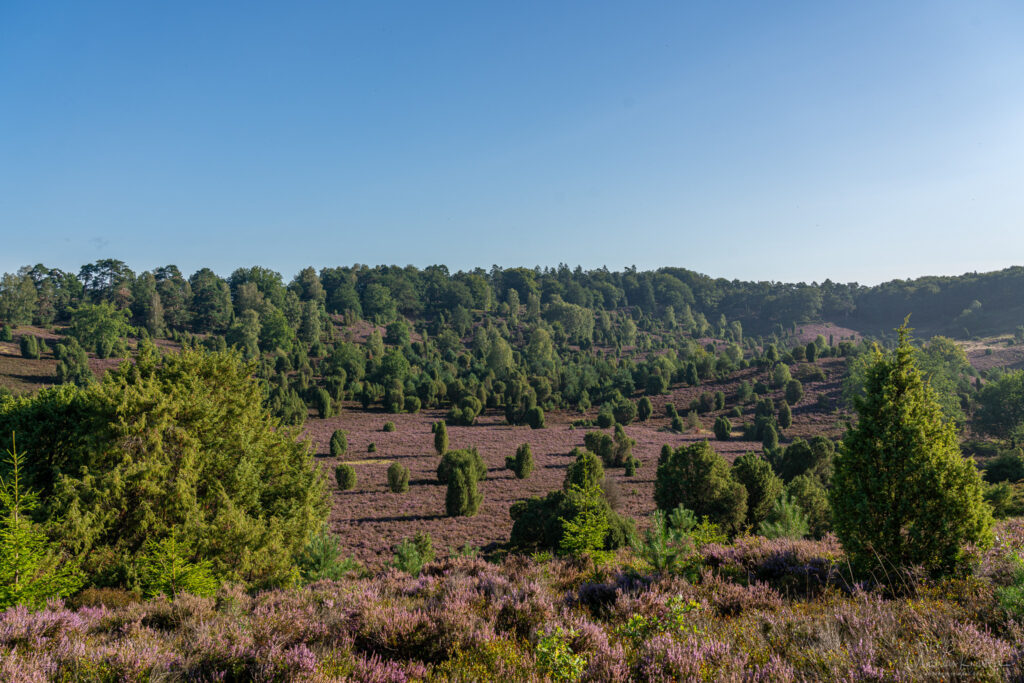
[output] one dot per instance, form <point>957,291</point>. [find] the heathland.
<point>401,474</point>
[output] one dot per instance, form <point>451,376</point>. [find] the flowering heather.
<point>466,619</point>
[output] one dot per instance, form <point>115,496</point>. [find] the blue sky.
<point>767,141</point>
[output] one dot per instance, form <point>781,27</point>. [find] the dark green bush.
<point>462,458</point>
<point>521,463</point>
<point>398,478</point>
<point>345,475</point>
<point>535,417</point>
<point>389,426</point>
<point>723,428</point>
<point>339,443</point>
<point>699,478</point>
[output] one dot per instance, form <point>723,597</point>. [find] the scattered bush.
<point>723,428</point>
<point>644,409</point>
<point>345,475</point>
<point>440,438</point>
<point>339,443</point>
<point>398,478</point>
<point>29,346</point>
<point>466,458</point>
<point>535,417</point>
<point>412,553</point>
<point>521,463</point>
<point>389,426</point>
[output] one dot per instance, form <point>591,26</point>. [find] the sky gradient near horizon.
<point>755,141</point>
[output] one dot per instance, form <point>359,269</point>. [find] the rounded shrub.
<point>412,404</point>
<point>398,478</point>
<point>535,417</point>
<point>521,463</point>
<point>440,438</point>
<point>723,428</point>
<point>389,426</point>
<point>371,447</point>
<point>345,475</point>
<point>339,443</point>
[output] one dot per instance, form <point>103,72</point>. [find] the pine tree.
<point>902,493</point>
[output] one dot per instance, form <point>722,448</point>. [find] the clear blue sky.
<point>785,141</point>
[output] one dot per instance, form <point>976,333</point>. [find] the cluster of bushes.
<point>578,519</point>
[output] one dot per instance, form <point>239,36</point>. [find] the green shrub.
<point>29,347</point>
<point>30,571</point>
<point>462,498</point>
<point>440,438</point>
<point>371,447</point>
<point>644,409</point>
<point>700,479</point>
<point>763,486</point>
<point>605,418</point>
<point>631,467</point>
<point>345,475</point>
<point>623,447</point>
<point>322,402</point>
<point>785,520</point>
<point>902,491</point>
<point>412,553</point>
<point>809,493</point>
<point>389,426</point>
<point>785,415</point>
<point>339,443</point>
<point>794,391</point>
<point>521,463</point>
<point>398,478</point>
<point>624,411</point>
<point>535,417</point>
<point>723,428</point>
<point>73,365</point>
<point>165,568</point>
<point>5,334</point>
<point>412,404</point>
<point>670,410</point>
<point>170,425</point>
<point>468,458</point>
<point>322,559</point>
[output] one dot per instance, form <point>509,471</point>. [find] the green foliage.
<point>412,404</point>
<point>462,499</point>
<point>389,426</point>
<point>170,567</point>
<point>345,475</point>
<point>624,411</point>
<point>440,438</point>
<point>521,463</point>
<point>339,443</point>
<point>601,445</point>
<point>770,438</point>
<point>174,444</point>
<point>31,572</point>
<point>786,519</point>
<point>584,472</point>
<point>556,659</point>
<point>1011,597</point>
<point>29,347</point>
<point>622,451</point>
<point>693,423</point>
<point>644,409</point>
<point>640,628</point>
<point>808,492</point>
<point>371,447</point>
<point>785,415</point>
<point>700,479</point>
<point>5,333</point>
<point>794,391</point>
<point>98,327</point>
<point>1001,407</point>
<point>723,428</point>
<point>763,487</point>
<point>1007,466</point>
<point>631,466</point>
<point>585,531</point>
<point>412,553</point>
<point>535,417</point>
<point>466,458</point>
<point>398,478</point>
<point>902,492</point>
<point>800,457</point>
<point>605,418</point>
<point>73,365</point>
<point>322,402</point>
